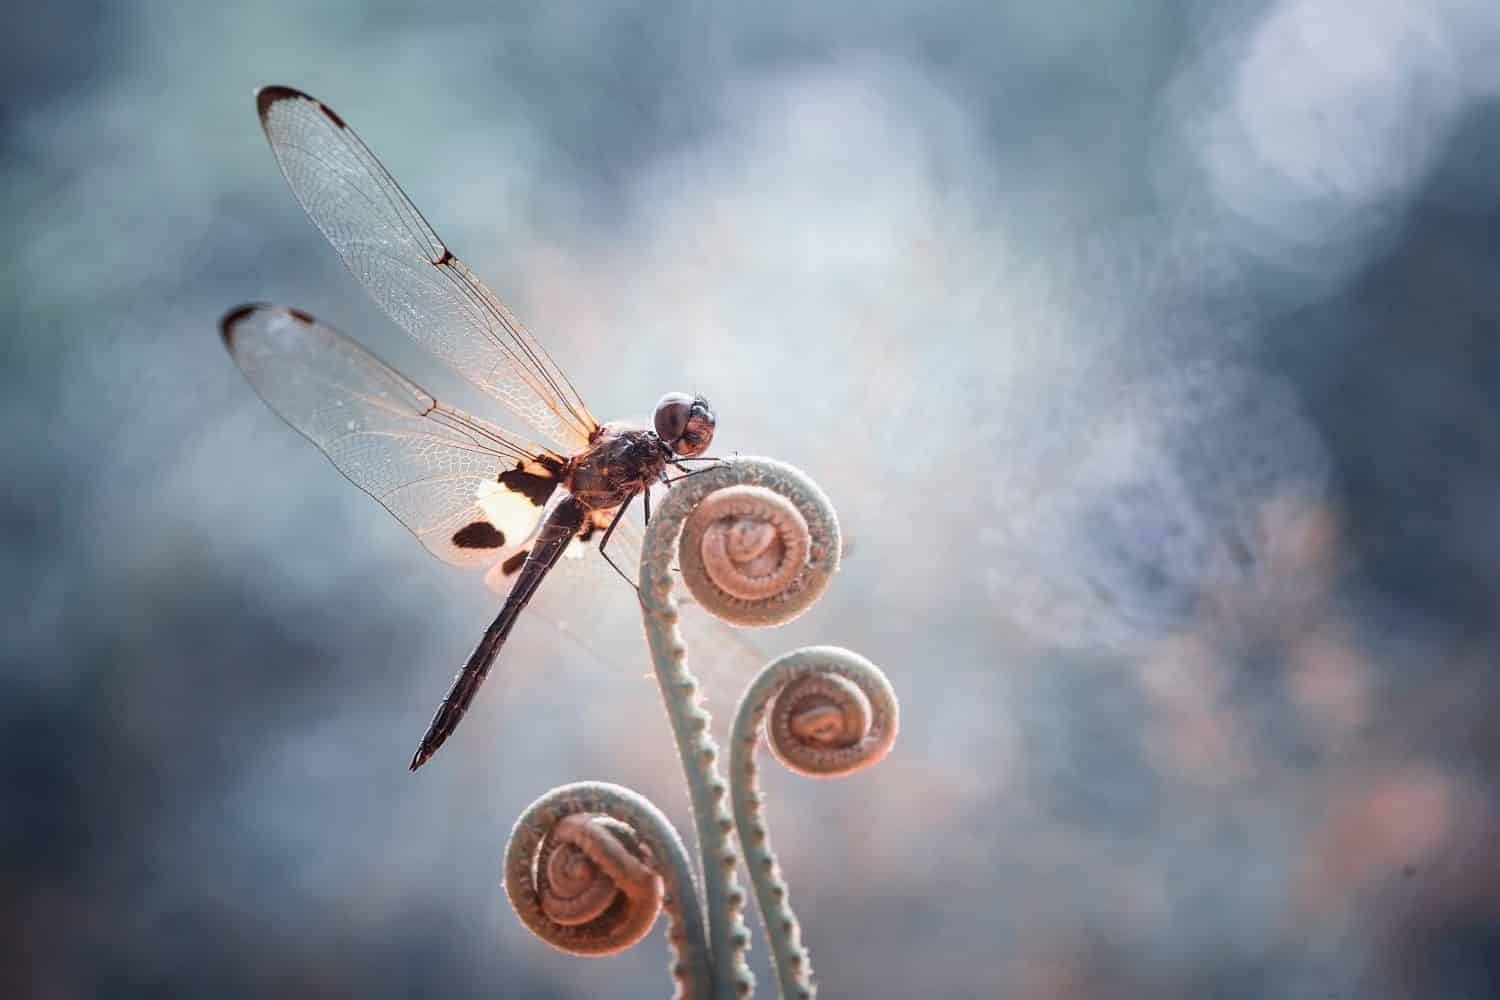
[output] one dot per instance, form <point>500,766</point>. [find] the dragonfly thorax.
<point>622,461</point>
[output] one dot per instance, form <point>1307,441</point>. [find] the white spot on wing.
<point>515,516</point>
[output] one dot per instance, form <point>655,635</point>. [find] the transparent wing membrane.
<point>411,273</point>
<point>434,467</point>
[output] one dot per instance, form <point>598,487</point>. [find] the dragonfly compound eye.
<point>685,423</point>
<point>672,415</point>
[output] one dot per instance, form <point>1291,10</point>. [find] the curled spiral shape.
<point>590,866</point>
<point>757,549</point>
<point>826,711</point>
<point>752,542</point>
<point>821,725</point>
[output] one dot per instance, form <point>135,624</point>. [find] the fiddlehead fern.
<point>759,543</point>
<point>827,712</point>
<point>588,868</point>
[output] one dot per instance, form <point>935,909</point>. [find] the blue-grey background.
<point>1149,351</point>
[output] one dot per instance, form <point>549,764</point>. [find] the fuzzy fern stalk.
<point>589,866</point>
<point>826,712</point>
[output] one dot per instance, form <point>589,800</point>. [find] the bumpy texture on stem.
<point>589,866</point>
<point>759,556</point>
<point>827,712</point>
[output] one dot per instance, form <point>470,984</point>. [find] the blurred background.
<point>1148,351</point>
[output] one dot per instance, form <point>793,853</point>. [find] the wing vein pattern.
<point>434,467</point>
<point>410,272</point>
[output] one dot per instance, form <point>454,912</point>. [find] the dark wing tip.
<point>267,96</point>
<point>233,318</point>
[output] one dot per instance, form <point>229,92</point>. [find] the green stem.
<point>793,965</point>
<point>728,935</point>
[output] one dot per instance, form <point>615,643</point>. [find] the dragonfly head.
<point>685,423</point>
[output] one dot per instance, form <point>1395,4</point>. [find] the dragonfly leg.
<point>687,475</point>
<point>610,531</point>
<point>646,502</point>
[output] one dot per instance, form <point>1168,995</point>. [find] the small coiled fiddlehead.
<point>759,543</point>
<point>826,712</point>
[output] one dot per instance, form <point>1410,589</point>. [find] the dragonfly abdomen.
<point>551,541</point>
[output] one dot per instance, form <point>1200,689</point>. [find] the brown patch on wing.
<point>300,316</point>
<point>534,479</point>
<point>545,464</point>
<point>514,562</point>
<point>479,535</point>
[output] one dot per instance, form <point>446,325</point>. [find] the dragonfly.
<point>473,493</point>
